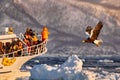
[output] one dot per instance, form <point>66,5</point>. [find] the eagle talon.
<point>97,45</point>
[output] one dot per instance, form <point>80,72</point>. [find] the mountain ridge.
<point>66,21</point>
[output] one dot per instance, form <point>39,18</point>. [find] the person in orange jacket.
<point>45,33</point>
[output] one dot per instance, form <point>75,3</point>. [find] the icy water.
<point>107,63</point>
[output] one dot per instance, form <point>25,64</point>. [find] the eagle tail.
<point>98,42</point>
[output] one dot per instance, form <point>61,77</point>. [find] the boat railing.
<point>28,50</point>
<point>21,37</point>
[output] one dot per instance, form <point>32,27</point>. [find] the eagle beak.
<point>83,40</point>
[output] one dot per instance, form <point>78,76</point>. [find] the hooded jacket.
<point>45,33</point>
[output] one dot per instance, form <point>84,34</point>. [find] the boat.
<point>27,53</point>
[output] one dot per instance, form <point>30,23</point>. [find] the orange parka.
<point>45,33</point>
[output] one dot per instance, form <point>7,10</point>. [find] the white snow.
<point>107,76</point>
<point>70,70</point>
<point>105,60</point>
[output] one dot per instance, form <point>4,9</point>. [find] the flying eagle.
<point>92,34</point>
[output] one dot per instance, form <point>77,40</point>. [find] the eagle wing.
<point>95,31</point>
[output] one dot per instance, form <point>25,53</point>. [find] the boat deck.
<point>26,54</point>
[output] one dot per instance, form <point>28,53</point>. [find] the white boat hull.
<point>18,63</point>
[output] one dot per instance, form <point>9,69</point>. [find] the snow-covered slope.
<point>66,20</point>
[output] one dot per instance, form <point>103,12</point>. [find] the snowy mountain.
<point>67,21</point>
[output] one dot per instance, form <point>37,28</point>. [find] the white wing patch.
<point>91,33</point>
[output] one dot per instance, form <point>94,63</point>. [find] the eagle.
<point>93,33</point>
